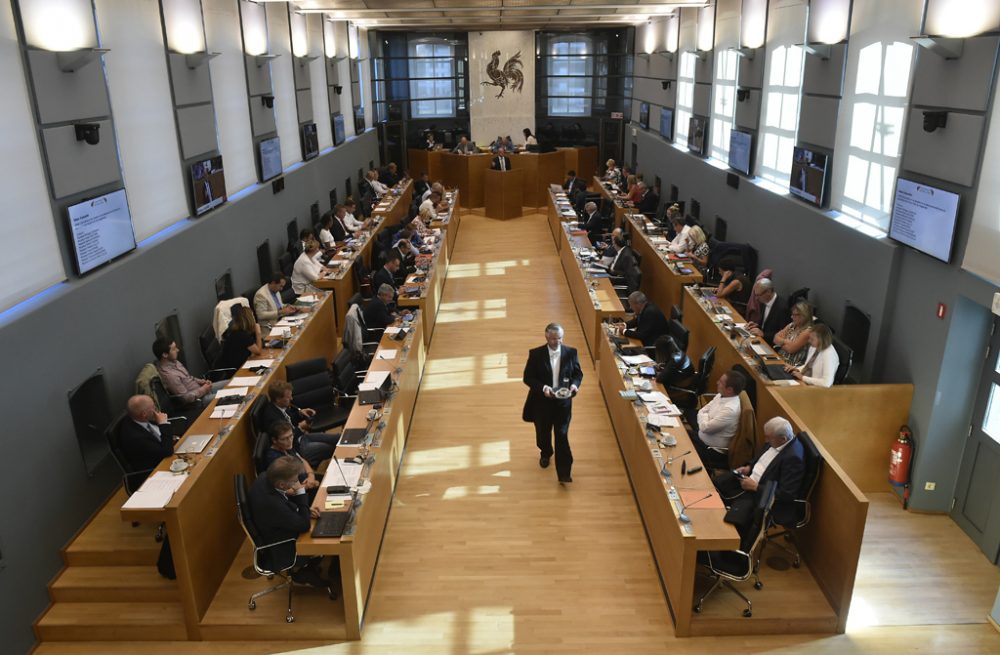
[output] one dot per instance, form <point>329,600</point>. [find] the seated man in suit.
<point>280,509</point>
<point>389,175</point>
<point>430,143</point>
<point>718,421</point>
<point>782,461</point>
<point>624,259</point>
<point>501,162</point>
<point>592,222</point>
<point>649,322</point>
<point>573,184</point>
<point>282,436</point>
<point>772,314</point>
<point>464,147</point>
<point>387,274</point>
<point>146,436</point>
<point>315,447</point>
<point>378,313</point>
<point>267,304</point>
<point>421,184</point>
<point>649,200</point>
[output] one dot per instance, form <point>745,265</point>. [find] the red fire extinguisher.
<point>900,458</point>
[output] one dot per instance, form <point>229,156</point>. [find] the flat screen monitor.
<point>667,123</point>
<point>101,229</point>
<point>310,141</point>
<point>208,184</point>
<point>924,218</point>
<point>359,119</point>
<point>808,178</point>
<point>644,115</point>
<point>740,147</point>
<point>270,158</point>
<point>338,129</point>
<point>697,132</point>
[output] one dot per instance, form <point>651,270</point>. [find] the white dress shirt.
<point>554,356</point>
<point>824,367</point>
<point>429,205</point>
<point>718,421</point>
<point>681,242</point>
<point>304,273</point>
<point>765,460</point>
<point>766,308</point>
<point>352,224</point>
<point>379,188</point>
<point>326,238</point>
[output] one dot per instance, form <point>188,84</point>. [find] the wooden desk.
<point>675,545</point>
<point>560,211</point>
<point>465,172</point>
<point>595,298</point>
<point>419,160</point>
<point>450,222</point>
<point>358,549</point>
<point>432,287</point>
<point>504,195</point>
<point>663,279</point>
<point>201,521</point>
<point>621,207</point>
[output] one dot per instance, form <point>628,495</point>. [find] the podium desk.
<point>466,173</point>
<point>450,222</point>
<point>663,278</point>
<point>540,170</point>
<point>622,207</point>
<point>504,193</point>
<point>419,160</point>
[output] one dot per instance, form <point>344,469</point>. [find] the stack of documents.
<point>244,381</point>
<point>233,391</point>
<point>224,411</point>
<point>156,491</point>
<point>258,363</point>
<point>662,421</point>
<point>636,360</point>
<point>374,380</point>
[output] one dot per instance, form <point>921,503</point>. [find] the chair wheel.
<point>697,609</point>
<point>796,564</point>
<point>747,613</point>
<point>332,593</point>
<point>758,585</point>
<point>252,604</point>
<point>289,619</point>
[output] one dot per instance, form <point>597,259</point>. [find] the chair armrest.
<point>177,418</point>
<point>681,390</point>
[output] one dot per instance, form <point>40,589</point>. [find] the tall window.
<point>724,102</point>
<point>570,76</point>
<point>685,97</point>
<point>432,79</point>
<point>781,113</point>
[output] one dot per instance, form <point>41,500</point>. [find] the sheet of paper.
<point>376,377</point>
<point>224,411</point>
<point>290,321</point>
<point>333,477</point>
<point>787,383</point>
<point>255,363</point>
<point>277,332</point>
<point>393,329</point>
<point>156,491</point>
<point>635,360</point>
<point>722,317</point>
<point>653,397</point>
<point>760,349</point>
<point>244,381</point>
<point>386,354</point>
<point>232,391</point>
<point>309,298</point>
<point>662,421</point>
<point>692,499</point>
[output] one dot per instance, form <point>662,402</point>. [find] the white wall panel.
<point>286,116</point>
<point>513,112</point>
<point>317,75</point>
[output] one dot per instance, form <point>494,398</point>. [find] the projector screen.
<point>667,123</point>
<point>644,115</point>
<point>924,218</point>
<point>338,129</point>
<point>270,158</point>
<point>101,229</point>
<point>740,144</point>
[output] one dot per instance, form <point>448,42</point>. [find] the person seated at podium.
<point>178,381</point>
<point>378,313</point>
<point>326,238</point>
<point>267,303</point>
<point>496,144</point>
<point>429,142</point>
<point>734,285</point>
<point>718,420</point>
<point>529,139</point>
<point>633,193</point>
<point>682,240</point>
<point>377,187</point>
<point>437,186</point>
<point>611,173</point>
<point>146,435</point>
<point>283,445</point>
<point>608,249</point>
<point>501,162</point>
<point>464,147</point>
<point>673,366</point>
<point>315,447</point>
<point>403,245</point>
<point>771,315</point>
<point>350,220</point>
<point>700,248</point>
<point>242,338</point>
<point>624,259</point>
<point>306,270</point>
<point>649,201</point>
<point>421,184</point>
<point>822,360</point>
<point>573,184</point>
<point>389,175</point>
<point>592,222</point>
<point>387,274</point>
<point>434,203</point>
<point>508,143</point>
<point>648,323</point>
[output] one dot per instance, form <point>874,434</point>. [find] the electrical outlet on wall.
<point>930,486</point>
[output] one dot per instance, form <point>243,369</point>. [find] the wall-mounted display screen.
<point>310,141</point>
<point>924,217</point>
<point>359,119</point>
<point>101,229</point>
<point>667,123</point>
<point>808,178</point>
<point>270,158</point>
<point>339,136</point>
<point>644,115</point>
<point>740,149</point>
<point>208,184</point>
<point>697,135</point>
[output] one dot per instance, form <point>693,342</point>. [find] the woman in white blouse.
<point>529,138</point>
<point>821,362</point>
<point>306,270</point>
<point>682,242</point>
<point>611,173</point>
<point>379,188</point>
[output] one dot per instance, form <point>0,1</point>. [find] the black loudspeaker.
<point>695,209</point>
<point>675,193</point>
<point>733,180</point>
<point>278,185</point>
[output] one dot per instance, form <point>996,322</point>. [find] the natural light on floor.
<point>472,310</point>
<point>452,493</point>
<point>453,458</point>
<point>484,268</point>
<point>456,372</point>
<point>862,614</point>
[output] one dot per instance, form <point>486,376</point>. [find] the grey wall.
<point>107,320</point>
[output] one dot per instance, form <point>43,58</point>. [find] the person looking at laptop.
<point>772,314</point>
<point>821,361</point>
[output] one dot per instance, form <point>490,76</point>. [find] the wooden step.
<point>112,622</point>
<point>83,584</point>
<point>107,540</point>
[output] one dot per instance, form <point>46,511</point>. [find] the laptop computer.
<point>773,371</point>
<point>331,524</point>
<point>376,395</point>
<point>353,437</point>
<point>194,443</point>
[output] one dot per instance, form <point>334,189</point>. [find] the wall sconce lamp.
<point>944,47</point>
<point>666,54</point>
<point>665,84</point>
<point>260,60</point>
<point>267,101</point>
<point>746,53</point>
<point>820,50</point>
<point>742,95</point>
<point>934,120</point>
<point>90,133</point>
<point>196,60</point>
<point>702,55</point>
<point>305,59</point>
<point>74,60</point>
<point>338,89</point>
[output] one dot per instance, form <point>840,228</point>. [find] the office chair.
<point>727,567</point>
<point>679,332</point>
<point>262,443</point>
<point>625,285</point>
<point>813,461</point>
<point>263,552</point>
<point>312,387</point>
<point>799,295</point>
<point>173,406</point>
<point>846,355</point>
<point>210,351</point>
<point>256,412</point>
<point>358,339</point>
<point>751,388</point>
<point>132,478</point>
<point>286,262</point>
<point>363,277</point>
<point>686,396</point>
<point>676,313</point>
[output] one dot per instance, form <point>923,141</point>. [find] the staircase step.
<point>109,541</point>
<point>85,584</point>
<point>163,621</point>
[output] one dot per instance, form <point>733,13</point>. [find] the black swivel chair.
<point>313,388</point>
<point>173,406</point>
<point>846,355</point>
<point>679,332</point>
<point>727,567</point>
<point>686,396</point>
<point>676,313</point>
<point>262,443</point>
<point>210,351</point>
<point>132,478</point>
<point>797,296</point>
<point>813,462</point>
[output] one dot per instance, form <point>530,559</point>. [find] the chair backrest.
<point>286,262</point>
<point>705,366</point>
<point>754,538</point>
<point>676,313</point>
<point>260,448</point>
<point>354,332</point>
<point>680,333</point>
<point>305,368</point>
<point>209,345</point>
<point>243,510</point>
<point>114,435</point>
<point>799,295</point>
<point>846,356</point>
<point>346,382</point>
<point>257,413</point>
<point>751,388</point>
<point>357,299</point>
<point>741,448</point>
<point>812,460</point>
<point>160,396</point>
<point>342,360</point>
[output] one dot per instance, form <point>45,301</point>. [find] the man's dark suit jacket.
<point>593,224</point>
<point>495,163</point>
<point>419,186</point>
<point>648,203</point>
<point>142,449</point>
<point>787,469</point>
<point>383,276</point>
<point>538,374</point>
<point>621,264</point>
<point>777,319</point>
<point>377,315</point>
<point>573,185</point>
<point>271,414</point>
<point>277,518</point>
<point>647,325</point>
<point>337,230</point>
<point>388,178</point>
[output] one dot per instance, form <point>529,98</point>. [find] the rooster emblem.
<point>509,77</point>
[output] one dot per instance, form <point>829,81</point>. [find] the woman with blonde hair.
<point>612,174</point>
<point>634,193</point>
<point>792,341</point>
<point>821,361</point>
<point>699,246</point>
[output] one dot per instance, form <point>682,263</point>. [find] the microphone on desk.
<point>670,460</point>
<point>684,517</point>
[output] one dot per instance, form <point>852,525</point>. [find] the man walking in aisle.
<point>553,376</point>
